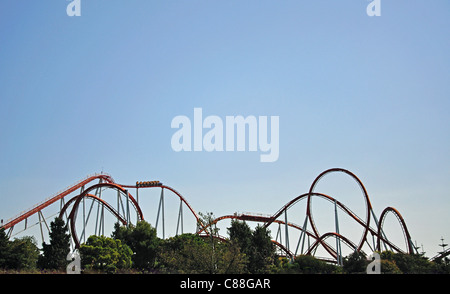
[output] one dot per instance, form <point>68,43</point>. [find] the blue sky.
<point>80,95</point>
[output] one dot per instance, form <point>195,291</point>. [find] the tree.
<point>5,249</point>
<point>257,246</point>
<point>191,254</point>
<point>54,255</point>
<point>185,254</point>
<point>409,263</point>
<point>308,264</point>
<point>356,262</point>
<point>389,267</point>
<point>241,234</point>
<point>23,254</point>
<point>142,240</point>
<point>231,260</point>
<point>262,251</point>
<point>441,266</point>
<point>207,220</point>
<point>105,254</point>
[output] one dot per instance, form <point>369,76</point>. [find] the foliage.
<point>207,221</point>
<point>190,253</point>
<point>142,240</point>
<point>54,254</point>
<point>262,251</point>
<point>241,234</point>
<point>5,249</point>
<point>24,253</point>
<point>232,260</point>
<point>307,264</point>
<point>247,251</point>
<point>356,262</point>
<point>105,254</point>
<point>389,267</point>
<point>19,254</point>
<point>442,266</point>
<point>408,263</point>
<point>185,254</point>
<point>391,263</point>
<point>256,245</point>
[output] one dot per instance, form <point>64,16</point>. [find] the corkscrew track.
<point>128,207</point>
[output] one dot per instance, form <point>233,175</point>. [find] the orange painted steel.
<point>98,199</point>
<point>319,239</point>
<point>366,225</point>
<point>255,218</point>
<point>52,200</point>
<point>77,200</point>
<point>402,222</point>
<point>183,199</point>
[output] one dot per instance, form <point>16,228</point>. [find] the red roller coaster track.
<point>319,239</point>
<point>10,223</point>
<point>106,182</point>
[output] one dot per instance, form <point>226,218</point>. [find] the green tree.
<point>308,264</point>
<point>389,267</point>
<point>262,251</point>
<point>23,254</point>
<point>177,242</point>
<point>257,246</point>
<point>356,262</point>
<point>441,266</point>
<point>231,260</point>
<point>54,255</point>
<point>241,234</point>
<point>192,254</point>
<point>207,220</point>
<point>143,242</point>
<point>409,263</point>
<point>105,254</point>
<point>5,249</point>
<point>185,254</point>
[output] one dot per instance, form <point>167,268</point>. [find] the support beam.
<point>286,229</point>
<point>180,217</point>
<point>338,241</point>
<point>161,210</point>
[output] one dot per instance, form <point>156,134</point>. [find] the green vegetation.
<point>105,254</point>
<point>22,254</point>
<point>54,254</point>
<point>142,241</point>
<point>137,249</point>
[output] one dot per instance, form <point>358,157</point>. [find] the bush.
<point>105,254</point>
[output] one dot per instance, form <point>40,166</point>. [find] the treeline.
<point>137,249</point>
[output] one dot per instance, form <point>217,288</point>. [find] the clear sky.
<point>98,92</point>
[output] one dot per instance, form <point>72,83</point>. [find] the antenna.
<point>418,247</point>
<point>443,246</point>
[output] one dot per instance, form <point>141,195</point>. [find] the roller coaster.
<point>84,204</point>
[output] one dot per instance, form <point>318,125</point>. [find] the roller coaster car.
<point>148,184</point>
